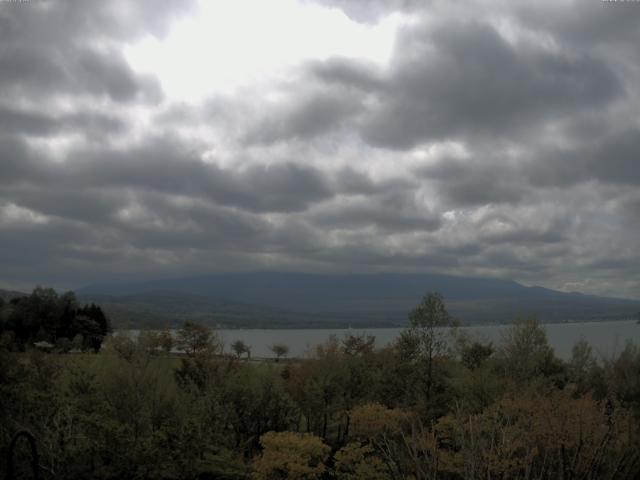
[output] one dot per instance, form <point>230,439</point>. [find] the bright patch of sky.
<point>233,44</point>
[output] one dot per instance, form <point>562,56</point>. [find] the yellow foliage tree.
<point>359,462</point>
<point>397,438</point>
<point>553,436</point>
<point>374,420</point>
<point>289,455</point>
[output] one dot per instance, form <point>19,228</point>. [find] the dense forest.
<point>433,405</point>
<point>52,321</point>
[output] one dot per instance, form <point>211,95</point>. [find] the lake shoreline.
<point>606,338</point>
<point>382,327</point>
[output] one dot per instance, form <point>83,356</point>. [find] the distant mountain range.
<point>9,294</point>
<point>279,300</point>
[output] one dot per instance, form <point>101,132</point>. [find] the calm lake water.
<point>606,338</point>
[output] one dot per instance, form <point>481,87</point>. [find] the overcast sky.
<point>155,139</point>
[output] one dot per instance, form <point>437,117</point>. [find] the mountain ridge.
<point>381,299</point>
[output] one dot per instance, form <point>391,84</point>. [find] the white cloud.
<point>14,215</point>
<point>231,44</point>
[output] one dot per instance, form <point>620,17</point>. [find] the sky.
<point>143,140</point>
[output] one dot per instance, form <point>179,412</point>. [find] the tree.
<point>95,313</point>
<point>125,346</point>
<point>473,355</point>
<point>63,344</point>
<point>44,315</point>
<point>165,340</point>
<point>356,345</point>
<point>194,338</point>
<point>91,331</point>
<point>155,342</point>
<point>526,353</point>
<point>356,461</point>
<point>623,375</point>
<point>280,350</point>
<point>78,342</point>
<point>539,436</point>
<point>289,455</point>
<point>240,348</point>
<point>425,322</point>
<point>384,430</point>
<point>583,368</point>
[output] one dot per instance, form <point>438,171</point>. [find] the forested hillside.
<point>418,409</point>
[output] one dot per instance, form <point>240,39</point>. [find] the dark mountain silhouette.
<point>312,300</point>
<point>9,294</point>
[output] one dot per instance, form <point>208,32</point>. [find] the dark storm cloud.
<point>28,246</point>
<point>609,159</point>
<point>366,255</point>
<point>283,187</point>
<point>525,235</point>
<point>31,123</point>
<point>333,96</point>
<point>383,213</point>
<point>69,21</point>
<point>586,25</point>
<point>108,73</point>
<point>465,79</point>
<point>167,166</point>
<point>345,72</point>
<point>306,119</point>
<point>459,80</point>
<point>18,163</point>
<point>466,183</point>
<point>82,203</point>
<point>27,67</point>
<point>35,123</point>
<point>78,70</point>
<point>629,208</point>
<point>280,187</point>
<point>157,221</point>
<point>51,47</point>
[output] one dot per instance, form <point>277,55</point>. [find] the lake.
<point>606,338</point>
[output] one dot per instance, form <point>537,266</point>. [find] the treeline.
<point>53,321</point>
<point>425,407</point>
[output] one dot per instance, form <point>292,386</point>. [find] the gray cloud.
<point>597,25</point>
<point>499,140</point>
<point>465,79</point>
<point>43,73</point>
<point>46,49</point>
<point>348,181</point>
<point>386,214</point>
<point>176,170</point>
<point>476,182</point>
<point>370,11</point>
<point>611,158</point>
<point>350,73</point>
<point>36,123</point>
<point>306,119</point>
<point>81,204</point>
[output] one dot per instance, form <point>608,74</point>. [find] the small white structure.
<point>43,345</point>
